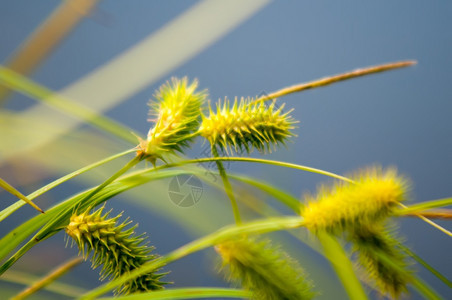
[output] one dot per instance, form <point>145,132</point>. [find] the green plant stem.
<point>342,265</point>
<point>226,233</point>
<point>57,273</point>
<point>12,208</point>
<point>290,201</point>
<point>186,293</point>
<point>426,265</point>
<point>254,160</point>
<point>227,186</point>
<point>419,207</point>
<point>112,178</point>
<point>428,221</point>
<point>57,217</point>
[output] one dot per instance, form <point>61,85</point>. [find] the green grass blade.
<point>9,188</point>
<point>285,198</point>
<point>12,208</point>
<point>255,160</point>
<point>24,85</point>
<point>425,206</point>
<point>60,214</point>
<point>426,265</point>
<point>342,265</point>
<point>186,293</point>
<point>228,232</point>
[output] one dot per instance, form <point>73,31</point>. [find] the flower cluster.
<point>379,254</point>
<point>114,247</point>
<point>265,271</point>
<point>245,125</point>
<point>373,195</point>
<point>176,117</point>
<point>360,209</point>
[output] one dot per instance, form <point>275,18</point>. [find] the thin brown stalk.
<point>55,274</point>
<point>445,214</point>
<point>336,78</point>
<point>46,37</point>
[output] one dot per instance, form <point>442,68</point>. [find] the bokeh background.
<point>119,53</point>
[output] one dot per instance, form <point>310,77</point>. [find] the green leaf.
<point>12,208</point>
<point>425,206</point>
<point>186,293</point>
<point>228,232</point>
<point>56,217</point>
<point>26,86</point>
<point>426,265</point>
<point>342,265</point>
<point>18,194</point>
<point>285,198</point>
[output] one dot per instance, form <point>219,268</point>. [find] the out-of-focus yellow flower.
<point>372,196</point>
<point>267,272</point>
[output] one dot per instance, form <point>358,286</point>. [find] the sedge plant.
<point>352,221</point>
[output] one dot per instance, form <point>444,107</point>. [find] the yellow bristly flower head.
<point>372,196</point>
<point>115,248</point>
<point>177,113</point>
<point>390,276</point>
<point>264,270</point>
<point>245,125</point>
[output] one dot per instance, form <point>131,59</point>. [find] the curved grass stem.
<point>255,160</point>
<point>227,186</point>
<point>112,178</point>
<point>420,216</point>
<point>226,233</point>
<point>13,207</point>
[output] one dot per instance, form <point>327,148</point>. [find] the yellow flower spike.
<point>373,195</point>
<point>390,276</point>
<point>264,270</point>
<point>116,248</point>
<point>177,114</point>
<point>245,126</point>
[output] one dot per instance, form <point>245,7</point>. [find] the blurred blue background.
<point>400,118</point>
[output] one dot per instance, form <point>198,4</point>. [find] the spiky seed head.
<point>245,125</point>
<point>262,269</point>
<point>176,114</point>
<point>372,196</point>
<point>115,247</point>
<point>371,243</point>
